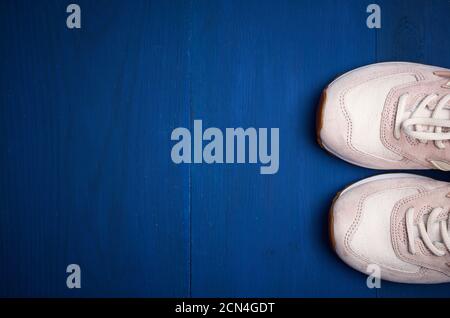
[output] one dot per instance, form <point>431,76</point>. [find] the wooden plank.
<point>264,64</point>
<point>86,175</point>
<point>85,123</point>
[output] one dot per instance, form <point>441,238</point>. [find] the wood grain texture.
<point>264,64</point>
<point>86,178</point>
<point>85,121</point>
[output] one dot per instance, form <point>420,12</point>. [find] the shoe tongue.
<point>426,112</point>
<point>433,230</point>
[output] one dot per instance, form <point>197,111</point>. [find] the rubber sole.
<point>319,125</point>
<point>319,117</point>
<point>331,237</point>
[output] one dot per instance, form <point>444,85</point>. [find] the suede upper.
<point>420,153</point>
<point>423,202</point>
<point>360,109</point>
<point>369,227</point>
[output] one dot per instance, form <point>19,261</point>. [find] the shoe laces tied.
<point>424,231</point>
<point>418,125</point>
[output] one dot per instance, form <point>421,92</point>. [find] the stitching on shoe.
<point>342,96</point>
<point>388,118</point>
<point>385,119</point>
<point>395,221</point>
<point>354,226</point>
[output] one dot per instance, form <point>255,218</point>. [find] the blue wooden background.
<point>85,123</point>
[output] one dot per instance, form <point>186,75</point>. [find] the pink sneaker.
<point>388,116</point>
<point>398,223</point>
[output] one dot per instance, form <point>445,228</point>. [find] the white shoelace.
<point>419,125</point>
<point>424,232</point>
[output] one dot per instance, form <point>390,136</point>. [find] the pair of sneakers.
<point>391,116</point>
